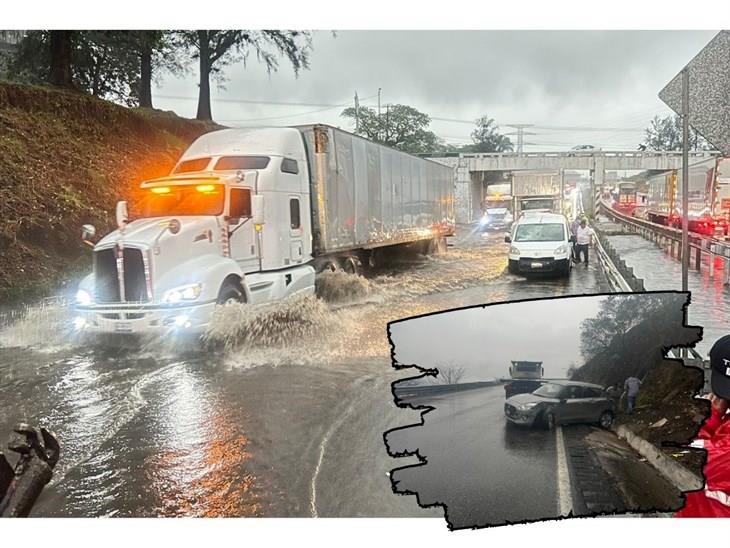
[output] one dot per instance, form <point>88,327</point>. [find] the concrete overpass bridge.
<point>475,170</point>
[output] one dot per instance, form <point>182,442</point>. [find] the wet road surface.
<point>490,472</point>
<point>710,301</point>
<point>289,424</point>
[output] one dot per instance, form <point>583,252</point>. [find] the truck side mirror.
<point>88,232</point>
<point>257,209</point>
<point>122,214</point>
<point>507,239</point>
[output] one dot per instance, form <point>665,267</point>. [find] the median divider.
<point>679,476</point>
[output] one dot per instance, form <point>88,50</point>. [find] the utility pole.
<point>520,134</point>
<point>685,185</point>
<point>357,114</point>
<point>379,124</point>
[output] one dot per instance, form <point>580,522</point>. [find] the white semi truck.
<point>251,216</point>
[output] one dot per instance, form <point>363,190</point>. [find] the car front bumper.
<point>142,319</point>
<point>515,416</point>
<point>540,264</point>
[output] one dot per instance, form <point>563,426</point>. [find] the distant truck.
<point>497,208</point>
<point>709,197</point>
<point>526,377</point>
<point>536,191</point>
<point>251,216</point>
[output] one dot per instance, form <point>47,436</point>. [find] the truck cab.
<point>229,224</point>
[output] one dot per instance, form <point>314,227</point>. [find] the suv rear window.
<point>242,162</point>
<point>197,164</point>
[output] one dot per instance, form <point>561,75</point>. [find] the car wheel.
<point>606,420</point>
<point>512,267</point>
<point>549,421</point>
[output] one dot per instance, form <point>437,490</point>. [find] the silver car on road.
<point>561,402</point>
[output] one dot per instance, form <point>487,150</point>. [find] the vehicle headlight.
<point>484,220</point>
<point>188,292</point>
<point>526,406</point>
<point>514,250</point>
<point>561,249</point>
<point>83,297</point>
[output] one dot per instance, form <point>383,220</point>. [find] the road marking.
<point>325,440</point>
<point>565,497</point>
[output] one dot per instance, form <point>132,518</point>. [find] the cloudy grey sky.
<point>484,340</point>
<point>553,79</point>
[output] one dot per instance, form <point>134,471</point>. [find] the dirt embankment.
<point>668,387</point>
<point>65,159</point>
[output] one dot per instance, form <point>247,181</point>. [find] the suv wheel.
<point>606,419</point>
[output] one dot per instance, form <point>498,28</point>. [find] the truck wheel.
<point>328,265</point>
<point>351,265</point>
<point>230,293</point>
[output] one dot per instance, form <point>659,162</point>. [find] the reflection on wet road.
<point>291,429</point>
<point>710,304</point>
<point>500,473</point>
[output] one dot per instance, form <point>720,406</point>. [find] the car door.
<point>596,403</point>
<point>572,404</point>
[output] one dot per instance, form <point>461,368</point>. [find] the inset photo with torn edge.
<point>549,408</point>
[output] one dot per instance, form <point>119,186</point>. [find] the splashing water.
<point>341,287</point>
<point>45,327</point>
<point>268,326</point>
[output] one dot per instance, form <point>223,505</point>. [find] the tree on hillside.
<point>487,138</point>
<point>399,126</point>
<point>216,49</point>
<point>666,134</point>
<point>616,316</point>
<point>115,65</point>
<point>155,51</point>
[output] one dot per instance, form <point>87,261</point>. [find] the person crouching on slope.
<point>714,437</point>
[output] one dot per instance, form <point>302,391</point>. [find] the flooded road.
<point>286,420</point>
<point>710,300</point>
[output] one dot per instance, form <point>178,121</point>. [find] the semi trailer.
<point>708,196</point>
<point>251,216</point>
<point>537,191</point>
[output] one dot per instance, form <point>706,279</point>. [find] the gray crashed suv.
<point>561,402</point>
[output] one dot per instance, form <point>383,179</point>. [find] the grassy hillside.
<point>65,159</point>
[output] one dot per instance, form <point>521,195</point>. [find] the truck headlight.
<point>561,249</point>
<point>188,292</point>
<point>526,406</point>
<point>83,297</point>
<point>514,250</point>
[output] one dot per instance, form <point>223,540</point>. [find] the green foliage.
<point>104,63</point>
<point>666,134</point>
<point>399,126</point>
<point>487,138</point>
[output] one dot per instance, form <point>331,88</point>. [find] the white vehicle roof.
<point>273,141</point>
<point>541,218</point>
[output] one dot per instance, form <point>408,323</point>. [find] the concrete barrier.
<point>679,476</point>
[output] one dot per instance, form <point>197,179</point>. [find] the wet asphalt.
<point>287,429</point>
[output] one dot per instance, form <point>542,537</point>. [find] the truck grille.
<point>107,280</point>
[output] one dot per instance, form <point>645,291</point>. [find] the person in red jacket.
<point>714,437</point>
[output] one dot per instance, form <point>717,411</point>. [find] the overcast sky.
<point>553,79</point>
<point>485,340</point>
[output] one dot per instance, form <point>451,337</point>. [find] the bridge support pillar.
<point>698,257</point>
<point>597,180</point>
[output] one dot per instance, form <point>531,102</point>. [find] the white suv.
<point>540,243</point>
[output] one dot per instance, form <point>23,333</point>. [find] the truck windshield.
<point>552,232</point>
<point>182,200</point>
<point>549,390</point>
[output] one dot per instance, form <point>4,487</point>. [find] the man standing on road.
<point>574,232</point>
<point>714,437</point>
<point>631,386</point>
<point>583,238</point>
